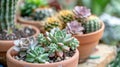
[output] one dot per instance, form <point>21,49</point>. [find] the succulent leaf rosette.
<point>55,46</point>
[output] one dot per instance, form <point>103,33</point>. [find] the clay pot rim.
<point>21,19</point>
<point>26,25</point>
<point>92,33</point>
<point>9,57</point>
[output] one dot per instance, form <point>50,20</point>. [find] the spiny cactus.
<point>42,13</point>
<point>66,16</point>
<point>74,27</point>
<point>92,24</point>
<point>53,22</point>
<point>81,13</point>
<point>7,14</point>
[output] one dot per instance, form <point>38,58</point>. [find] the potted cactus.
<point>33,12</point>
<point>9,30</point>
<point>87,28</point>
<point>55,49</point>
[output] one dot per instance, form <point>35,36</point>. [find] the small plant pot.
<point>37,24</point>
<point>88,43</point>
<point>12,62</point>
<point>6,44</point>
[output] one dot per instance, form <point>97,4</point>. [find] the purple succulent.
<point>74,27</point>
<point>81,12</point>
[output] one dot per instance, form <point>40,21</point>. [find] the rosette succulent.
<point>55,46</point>
<point>81,13</point>
<point>74,27</point>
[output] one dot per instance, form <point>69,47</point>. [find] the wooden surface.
<point>106,54</point>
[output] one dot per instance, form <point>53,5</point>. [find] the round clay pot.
<point>11,62</point>
<point>38,24</point>
<point>6,44</point>
<point>88,42</point>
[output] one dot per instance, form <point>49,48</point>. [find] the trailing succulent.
<point>55,46</point>
<point>28,6</point>
<point>53,22</point>
<point>42,13</point>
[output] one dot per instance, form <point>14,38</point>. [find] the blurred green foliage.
<point>29,5</point>
<point>97,6</point>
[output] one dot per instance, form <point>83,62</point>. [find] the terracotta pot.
<point>88,42</point>
<point>38,24</point>
<point>11,62</point>
<point>6,44</point>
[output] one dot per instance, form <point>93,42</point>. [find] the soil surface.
<point>17,33</point>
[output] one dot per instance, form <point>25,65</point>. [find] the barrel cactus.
<point>92,24</point>
<point>66,16</point>
<point>42,13</point>
<point>53,22</point>
<point>7,14</point>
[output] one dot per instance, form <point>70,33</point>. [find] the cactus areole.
<point>7,14</point>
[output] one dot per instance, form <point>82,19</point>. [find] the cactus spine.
<point>92,24</point>
<point>7,14</point>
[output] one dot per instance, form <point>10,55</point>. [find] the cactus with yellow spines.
<point>66,16</point>
<point>53,22</point>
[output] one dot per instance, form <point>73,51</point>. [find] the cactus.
<point>42,13</point>
<point>7,14</point>
<point>92,24</point>
<point>53,22</point>
<point>81,13</point>
<point>66,16</point>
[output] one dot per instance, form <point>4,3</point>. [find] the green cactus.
<point>7,14</point>
<point>42,13</point>
<point>92,24</point>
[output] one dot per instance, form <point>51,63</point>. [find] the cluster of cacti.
<point>48,49</point>
<point>74,27</point>
<point>66,16</point>
<point>42,13</point>
<point>53,22</point>
<point>7,14</point>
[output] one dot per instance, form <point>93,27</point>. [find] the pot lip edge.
<point>26,25</point>
<point>92,33</point>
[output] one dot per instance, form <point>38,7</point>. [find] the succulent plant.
<point>92,24</point>
<point>47,49</point>
<point>7,14</point>
<point>42,13</point>
<point>66,16</point>
<point>37,55</point>
<point>28,6</point>
<point>53,22</point>
<point>81,13</point>
<point>74,27</point>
